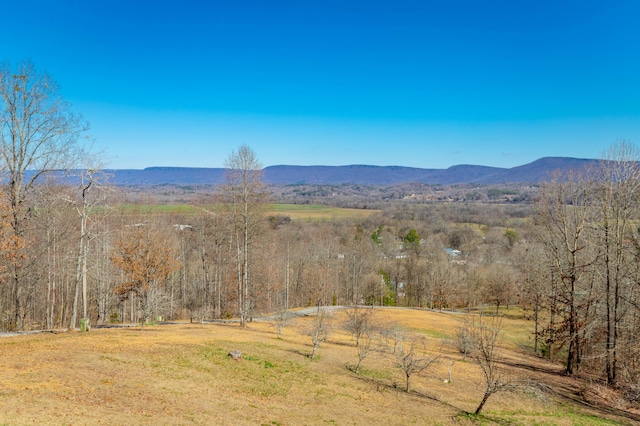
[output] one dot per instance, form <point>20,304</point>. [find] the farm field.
<point>310,212</point>
<point>180,374</point>
<point>304,212</point>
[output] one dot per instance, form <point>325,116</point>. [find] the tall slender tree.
<point>566,212</point>
<point>39,134</point>
<point>247,195</point>
<point>535,278</point>
<point>91,181</point>
<point>618,180</point>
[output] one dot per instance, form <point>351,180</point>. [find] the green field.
<point>305,212</point>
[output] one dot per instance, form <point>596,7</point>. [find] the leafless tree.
<point>566,211</point>
<point>357,253</point>
<point>103,273</point>
<point>372,341</point>
<point>412,359</point>
<point>52,219</point>
<point>393,336</point>
<point>319,329</point>
<point>39,134</point>
<point>450,365</point>
<point>281,319</point>
<point>246,191</point>
<point>618,188</point>
<point>463,341</point>
<point>359,321</point>
<point>498,288</point>
<point>483,333</point>
<point>214,254</point>
<point>536,281</point>
<point>91,183</point>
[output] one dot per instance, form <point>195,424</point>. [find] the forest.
<point>79,249</point>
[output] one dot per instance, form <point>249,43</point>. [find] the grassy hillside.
<point>181,374</point>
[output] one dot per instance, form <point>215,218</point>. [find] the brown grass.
<point>181,374</point>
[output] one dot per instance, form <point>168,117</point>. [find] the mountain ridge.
<point>533,172</point>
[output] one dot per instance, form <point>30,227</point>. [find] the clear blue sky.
<point>412,83</point>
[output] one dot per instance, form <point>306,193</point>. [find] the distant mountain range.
<point>533,172</point>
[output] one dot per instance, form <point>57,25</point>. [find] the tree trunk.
<point>74,312</point>
<point>484,400</point>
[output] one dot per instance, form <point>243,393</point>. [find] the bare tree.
<point>359,322</point>
<point>393,333</point>
<point>281,319</point>
<point>214,243</point>
<point>536,279</point>
<point>498,288</point>
<point>464,342</point>
<point>618,187</point>
<point>246,192</point>
<point>443,276</point>
<point>356,265</point>
<point>10,246</point>
<point>412,359</point>
<point>38,133</point>
<point>319,330</point>
<point>371,342</point>
<point>566,211</point>
<point>103,273</point>
<point>483,335</point>
<point>88,179</point>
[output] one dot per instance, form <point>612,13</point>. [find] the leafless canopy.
<point>38,130</point>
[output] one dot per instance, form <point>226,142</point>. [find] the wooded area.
<point>570,257</point>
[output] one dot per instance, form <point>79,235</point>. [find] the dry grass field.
<point>315,213</point>
<point>180,374</point>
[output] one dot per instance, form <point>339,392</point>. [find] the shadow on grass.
<point>342,343</point>
<point>381,385</point>
<point>304,354</point>
<point>572,390</point>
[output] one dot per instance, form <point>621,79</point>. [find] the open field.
<point>305,212</point>
<point>180,374</point>
<point>311,212</point>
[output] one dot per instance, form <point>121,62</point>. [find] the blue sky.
<point>411,83</point>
